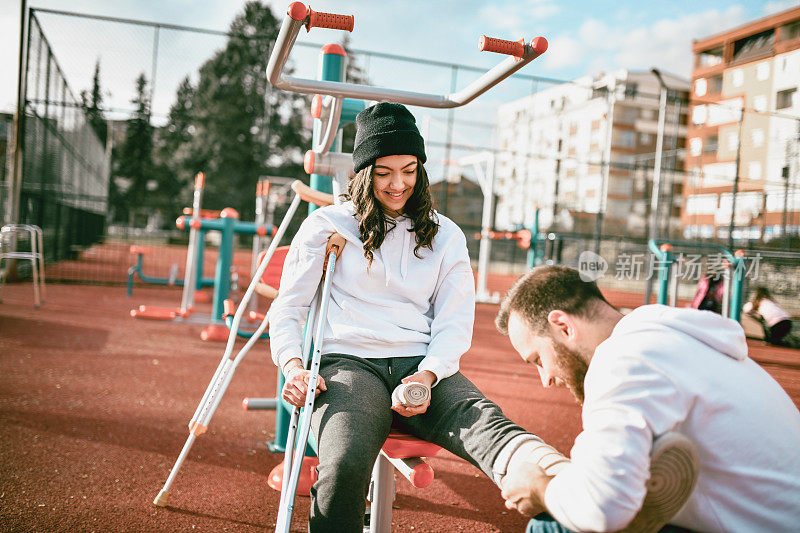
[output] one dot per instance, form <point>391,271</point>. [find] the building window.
<point>757,136</point>
<point>762,71</point>
<point>754,170</point>
<point>631,89</point>
<point>627,114</point>
<point>790,31</point>
<point>700,86</point>
<point>711,144</point>
<point>784,98</point>
<point>733,141</point>
<point>710,57</point>
<point>760,103</point>
<point>737,77</point>
<point>627,139</point>
<point>715,84</point>
<point>699,115</point>
<point>645,138</point>
<point>754,45</point>
<point>696,146</point>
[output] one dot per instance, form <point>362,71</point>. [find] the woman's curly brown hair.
<point>374,223</point>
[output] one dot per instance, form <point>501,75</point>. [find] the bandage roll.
<point>411,394</point>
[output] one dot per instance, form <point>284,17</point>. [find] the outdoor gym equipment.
<point>9,239</point>
<point>194,256</point>
<point>733,274</point>
<point>331,107</point>
<point>194,253</point>
<point>227,366</point>
<point>228,225</point>
<point>172,280</point>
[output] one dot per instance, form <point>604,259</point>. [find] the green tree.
<point>133,165</point>
<point>92,102</point>
<point>175,165</point>
<point>239,127</point>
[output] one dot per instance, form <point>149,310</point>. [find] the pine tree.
<point>134,162</point>
<point>175,166</point>
<point>243,127</point>
<point>92,102</point>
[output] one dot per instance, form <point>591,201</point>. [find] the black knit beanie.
<point>386,129</point>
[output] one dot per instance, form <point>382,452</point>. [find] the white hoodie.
<point>665,369</point>
<point>401,306</point>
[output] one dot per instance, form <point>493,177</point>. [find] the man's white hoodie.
<point>665,369</point>
<point>402,305</point>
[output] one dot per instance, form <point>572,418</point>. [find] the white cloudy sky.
<point>585,37</point>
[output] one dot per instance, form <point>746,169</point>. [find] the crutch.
<point>187,296</point>
<point>227,366</point>
<point>300,425</point>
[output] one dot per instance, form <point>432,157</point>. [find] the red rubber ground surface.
<point>94,407</point>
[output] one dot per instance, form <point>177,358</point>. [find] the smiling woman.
<point>401,312</point>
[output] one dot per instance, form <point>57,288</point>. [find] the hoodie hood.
<point>722,334</point>
<point>396,248</point>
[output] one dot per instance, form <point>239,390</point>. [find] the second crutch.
<point>300,423</point>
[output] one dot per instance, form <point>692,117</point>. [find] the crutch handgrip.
<point>335,244</point>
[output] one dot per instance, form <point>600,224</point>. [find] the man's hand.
<point>296,384</point>
<point>523,489</point>
<point>427,377</point>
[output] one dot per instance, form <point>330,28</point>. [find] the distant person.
<point>709,294</point>
<point>658,370</point>
<point>776,321</point>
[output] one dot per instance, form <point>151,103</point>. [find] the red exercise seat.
<point>401,446</point>
<point>140,250</point>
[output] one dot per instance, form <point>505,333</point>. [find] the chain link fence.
<point>67,166</point>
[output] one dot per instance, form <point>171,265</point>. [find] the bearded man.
<point>657,374</point>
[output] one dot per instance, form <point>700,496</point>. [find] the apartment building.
<point>745,163</point>
<point>579,148</point>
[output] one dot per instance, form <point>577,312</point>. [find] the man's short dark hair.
<point>544,289</point>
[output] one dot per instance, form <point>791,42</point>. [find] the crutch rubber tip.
<point>161,499</point>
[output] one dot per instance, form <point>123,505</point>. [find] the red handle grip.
<point>332,21</point>
<point>501,46</point>
<point>228,308</point>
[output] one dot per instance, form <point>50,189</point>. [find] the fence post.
<point>665,259</point>
<point>738,285</point>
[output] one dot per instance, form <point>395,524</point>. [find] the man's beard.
<point>573,369</point>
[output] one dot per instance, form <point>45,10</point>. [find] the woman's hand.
<point>426,377</point>
<point>296,384</point>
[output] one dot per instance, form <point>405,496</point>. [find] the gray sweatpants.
<point>352,419</point>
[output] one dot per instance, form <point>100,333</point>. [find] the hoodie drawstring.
<point>404,252</point>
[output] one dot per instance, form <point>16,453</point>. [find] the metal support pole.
<point>672,166</point>
<point>737,285</point>
<point>656,190</point>
<point>448,141</point>
<point>15,188</point>
<point>154,66</point>
<point>332,63</point>
<point>735,190</point>
<point>784,236</point>
<point>605,165</point>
